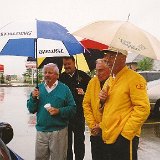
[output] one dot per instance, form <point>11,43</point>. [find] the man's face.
<point>50,76</point>
<point>102,71</point>
<point>112,58</point>
<point>69,66</point>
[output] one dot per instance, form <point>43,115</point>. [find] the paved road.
<point>14,111</point>
<point>149,146</point>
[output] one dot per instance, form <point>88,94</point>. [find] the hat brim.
<point>115,50</point>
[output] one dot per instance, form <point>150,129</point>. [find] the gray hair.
<point>102,61</point>
<point>51,65</point>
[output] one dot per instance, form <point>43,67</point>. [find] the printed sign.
<point>50,48</point>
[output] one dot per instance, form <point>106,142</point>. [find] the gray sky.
<point>74,14</point>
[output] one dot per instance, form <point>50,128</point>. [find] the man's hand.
<point>80,91</point>
<point>103,95</point>
<point>96,130</point>
<point>53,111</point>
<point>35,93</point>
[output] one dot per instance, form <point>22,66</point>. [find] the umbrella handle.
<point>38,89</point>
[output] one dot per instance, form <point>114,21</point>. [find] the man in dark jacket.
<point>77,81</point>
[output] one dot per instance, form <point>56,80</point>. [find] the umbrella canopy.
<point>87,43</point>
<point>122,35</point>
<point>37,39</point>
<point>81,62</point>
<point>84,61</point>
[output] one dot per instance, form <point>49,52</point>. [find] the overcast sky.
<point>74,14</point>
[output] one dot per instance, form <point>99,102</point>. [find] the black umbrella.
<point>90,55</point>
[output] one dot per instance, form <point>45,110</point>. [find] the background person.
<point>126,107</point>
<point>53,112</point>
<point>93,115</point>
<point>77,81</point>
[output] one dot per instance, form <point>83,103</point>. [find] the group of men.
<point>114,103</point>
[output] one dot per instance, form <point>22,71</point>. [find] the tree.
<point>2,78</point>
<point>146,64</point>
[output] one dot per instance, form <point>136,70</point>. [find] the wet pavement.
<point>14,111</point>
<point>149,142</point>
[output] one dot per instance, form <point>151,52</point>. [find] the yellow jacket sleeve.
<point>141,108</point>
<point>91,103</point>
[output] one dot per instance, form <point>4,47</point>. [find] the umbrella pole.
<point>36,63</point>
<point>77,69</point>
<point>111,73</point>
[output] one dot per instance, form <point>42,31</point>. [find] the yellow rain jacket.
<point>91,103</point>
<point>126,108</point>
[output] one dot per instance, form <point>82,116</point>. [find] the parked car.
<point>153,88</point>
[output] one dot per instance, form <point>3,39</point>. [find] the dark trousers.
<point>76,129</point>
<point>120,150</point>
<point>98,149</point>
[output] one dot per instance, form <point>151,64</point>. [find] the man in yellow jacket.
<point>126,107</point>
<point>93,115</point>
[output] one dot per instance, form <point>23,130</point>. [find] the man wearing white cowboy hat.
<point>126,107</point>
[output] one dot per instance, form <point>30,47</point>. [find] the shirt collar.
<point>71,75</point>
<point>54,84</point>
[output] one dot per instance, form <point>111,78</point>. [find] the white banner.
<point>50,48</point>
<point>15,30</point>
